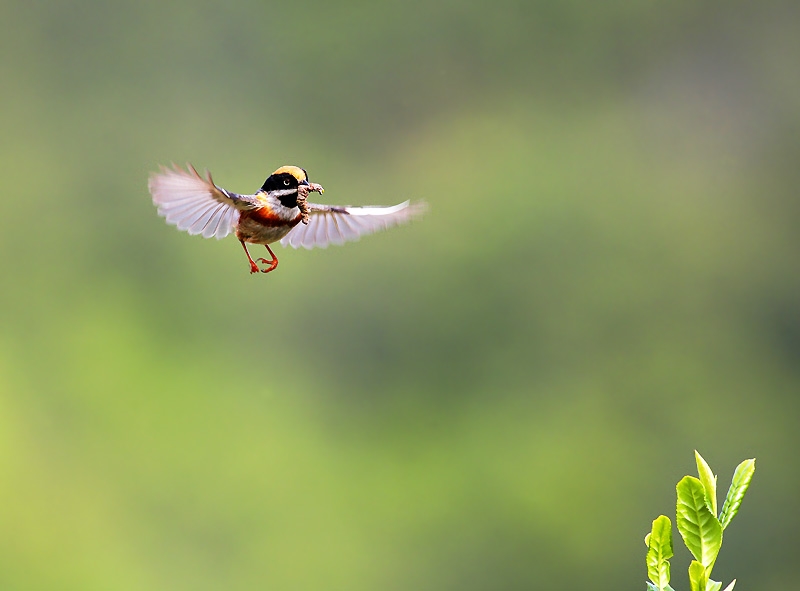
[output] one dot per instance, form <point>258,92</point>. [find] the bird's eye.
<point>286,182</point>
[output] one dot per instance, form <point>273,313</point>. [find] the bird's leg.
<point>253,267</point>
<point>273,264</point>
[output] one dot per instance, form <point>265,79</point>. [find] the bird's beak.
<point>312,187</point>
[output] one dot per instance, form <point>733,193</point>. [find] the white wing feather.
<point>330,224</point>
<point>194,203</point>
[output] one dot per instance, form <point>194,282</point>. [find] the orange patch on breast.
<point>265,216</point>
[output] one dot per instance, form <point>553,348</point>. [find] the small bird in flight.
<point>277,211</point>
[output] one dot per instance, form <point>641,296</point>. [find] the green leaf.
<point>659,551</point>
<point>698,526</point>
<point>698,577</point>
<point>651,587</point>
<point>713,585</point>
<point>709,481</point>
<point>730,587</point>
<point>741,481</point>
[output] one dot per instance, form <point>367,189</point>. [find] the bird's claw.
<point>272,265</point>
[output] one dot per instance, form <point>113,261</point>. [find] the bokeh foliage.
<point>497,397</point>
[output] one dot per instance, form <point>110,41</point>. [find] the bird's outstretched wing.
<point>196,204</point>
<point>331,224</point>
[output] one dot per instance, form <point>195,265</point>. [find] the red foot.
<point>273,264</point>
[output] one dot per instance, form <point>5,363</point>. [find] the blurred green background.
<point>500,396</point>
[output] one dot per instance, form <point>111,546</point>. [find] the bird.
<point>278,211</point>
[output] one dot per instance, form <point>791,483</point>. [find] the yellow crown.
<point>295,171</point>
